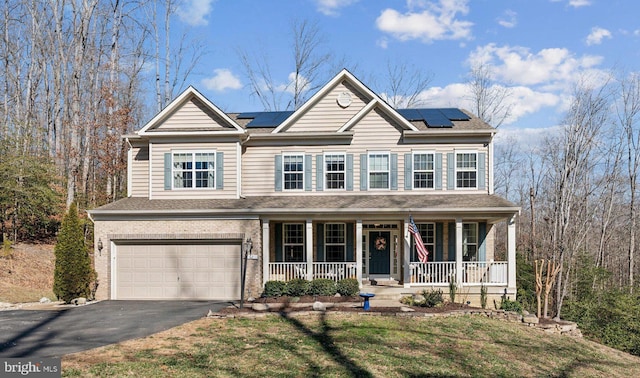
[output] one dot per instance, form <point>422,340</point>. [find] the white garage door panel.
<point>170,271</point>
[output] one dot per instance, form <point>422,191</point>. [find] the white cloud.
<point>528,138</point>
<point>303,84</point>
<point>552,68</point>
<point>222,80</point>
<point>332,7</point>
<point>194,12</point>
<point>579,3</point>
<point>597,35</point>
<point>427,21</point>
<point>524,100</point>
<point>509,19</point>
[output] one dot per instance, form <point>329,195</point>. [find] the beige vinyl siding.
<point>327,115</point>
<point>140,171</point>
<point>192,115</point>
<point>230,168</point>
<point>375,132</point>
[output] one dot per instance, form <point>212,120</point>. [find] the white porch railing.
<point>334,271</point>
<point>473,273</point>
<point>436,273</point>
<point>281,271</point>
<point>493,272</point>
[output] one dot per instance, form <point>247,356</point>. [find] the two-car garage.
<point>180,269</point>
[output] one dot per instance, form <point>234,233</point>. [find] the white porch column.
<point>358,243</point>
<point>511,254</point>
<point>406,255</point>
<point>265,251</point>
<point>309,244</point>
<point>459,252</point>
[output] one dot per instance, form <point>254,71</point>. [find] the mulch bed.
<point>342,304</point>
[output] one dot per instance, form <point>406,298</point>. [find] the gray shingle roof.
<point>316,204</point>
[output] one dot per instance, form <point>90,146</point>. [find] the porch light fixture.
<point>100,246</point>
<point>247,247</point>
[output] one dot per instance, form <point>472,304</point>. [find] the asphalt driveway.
<point>54,333</point>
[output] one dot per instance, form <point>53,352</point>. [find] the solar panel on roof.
<point>411,114</point>
<point>454,114</point>
<point>269,119</point>
<point>435,118</point>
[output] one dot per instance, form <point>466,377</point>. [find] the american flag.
<point>422,251</point>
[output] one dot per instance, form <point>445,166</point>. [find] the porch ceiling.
<point>480,206</point>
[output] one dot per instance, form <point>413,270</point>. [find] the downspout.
<point>129,167</point>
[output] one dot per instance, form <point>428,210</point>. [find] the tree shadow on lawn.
<point>325,340</point>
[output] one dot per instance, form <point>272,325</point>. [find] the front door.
<point>379,252</point>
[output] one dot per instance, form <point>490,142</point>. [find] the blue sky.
<point>539,48</point>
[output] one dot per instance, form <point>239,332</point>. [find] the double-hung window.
<point>470,242</point>
<point>194,169</point>
<point>466,170</point>
<point>293,171</point>
<point>379,170</point>
<point>428,236</point>
<point>335,242</point>
<point>423,170</point>
<point>293,242</point>
<point>334,171</point>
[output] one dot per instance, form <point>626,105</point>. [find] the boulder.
<point>319,306</point>
<point>260,307</point>
<point>45,300</point>
<point>406,309</point>
<point>530,319</point>
<point>79,301</point>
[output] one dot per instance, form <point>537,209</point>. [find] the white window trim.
<point>284,156</point>
<point>285,244</point>
<point>388,154</point>
<point>344,245</point>
<point>413,170</point>
<point>324,161</point>
<point>193,154</point>
<point>477,243</point>
<point>456,170</point>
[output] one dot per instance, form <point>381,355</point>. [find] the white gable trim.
<point>177,102</point>
<point>348,76</point>
<point>369,107</point>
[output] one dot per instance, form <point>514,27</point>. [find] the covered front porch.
<point>461,250</point>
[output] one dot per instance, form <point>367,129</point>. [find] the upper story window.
<point>428,235</point>
<point>293,171</point>
<point>466,170</point>
<point>379,170</point>
<point>470,242</point>
<point>293,242</point>
<point>194,169</point>
<point>335,242</point>
<point>423,170</point>
<point>334,171</point>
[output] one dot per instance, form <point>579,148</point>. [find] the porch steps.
<point>386,292</point>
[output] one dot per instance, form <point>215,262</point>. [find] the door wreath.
<point>381,243</point>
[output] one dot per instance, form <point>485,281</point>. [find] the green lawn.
<point>353,345</point>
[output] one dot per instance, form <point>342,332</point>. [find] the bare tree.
<point>572,162</point>
<point>490,100</point>
<point>309,63</point>
<point>628,112</point>
<point>404,84</point>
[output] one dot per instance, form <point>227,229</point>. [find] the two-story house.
<point>329,190</point>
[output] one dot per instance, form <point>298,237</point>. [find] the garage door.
<point>165,270</point>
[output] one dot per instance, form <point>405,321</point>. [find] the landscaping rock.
<point>337,295</point>
<point>319,306</point>
<point>530,319</point>
<point>406,309</point>
<point>260,307</point>
<point>45,300</point>
<point>79,301</point>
